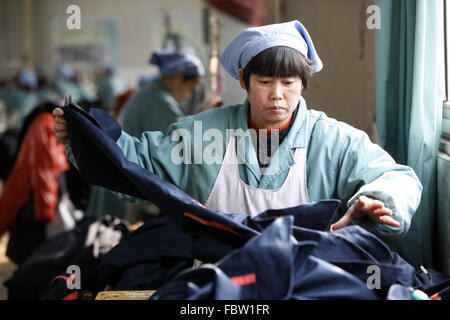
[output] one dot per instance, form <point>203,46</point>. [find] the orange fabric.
<point>121,99</point>
<point>244,280</point>
<point>40,161</point>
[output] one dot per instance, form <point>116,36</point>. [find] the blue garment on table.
<point>148,257</point>
<point>84,246</point>
<point>158,250</point>
<point>302,264</point>
<point>286,270</point>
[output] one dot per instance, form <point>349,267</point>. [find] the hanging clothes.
<point>39,163</point>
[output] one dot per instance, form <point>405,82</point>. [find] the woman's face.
<point>272,100</point>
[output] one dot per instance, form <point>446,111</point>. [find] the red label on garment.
<point>244,279</point>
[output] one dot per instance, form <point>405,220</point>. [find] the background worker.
<point>157,104</point>
<point>109,87</point>
<point>316,157</point>
<point>153,107</point>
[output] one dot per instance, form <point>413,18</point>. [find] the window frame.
<point>446,104</point>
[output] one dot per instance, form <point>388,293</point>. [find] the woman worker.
<point>154,107</point>
<point>316,157</point>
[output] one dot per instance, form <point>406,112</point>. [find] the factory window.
<point>447,47</point>
<point>445,142</point>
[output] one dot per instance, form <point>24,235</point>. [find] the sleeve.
<point>161,154</point>
<point>366,169</point>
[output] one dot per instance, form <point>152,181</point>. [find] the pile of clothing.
<point>279,254</point>
<point>66,267</point>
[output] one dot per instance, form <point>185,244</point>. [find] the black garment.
<point>37,277</point>
<point>148,257</point>
<point>77,188</point>
<point>26,234</point>
<point>8,147</point>
<point>32,278</point>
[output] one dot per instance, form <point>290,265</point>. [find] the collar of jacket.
<point>296,138</point>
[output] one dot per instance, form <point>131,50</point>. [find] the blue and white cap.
<point>254,40</point>
<point>171,63</point>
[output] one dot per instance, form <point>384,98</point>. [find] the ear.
<point>241,81</point>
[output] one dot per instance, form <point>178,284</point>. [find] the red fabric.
<point>121,99</point>
<point>71,296</point>
<point>245,279</point>
<point>212,224</point>
<point>250,11</point>
<point>59,277</point>
<point>40,161</point>
<point>253,125</point>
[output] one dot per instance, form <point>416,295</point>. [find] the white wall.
<point>11,36</point>
<point>345,88</point>
<point>139,33</point>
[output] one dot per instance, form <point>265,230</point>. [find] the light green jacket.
<point>77,91</point>
<point>108,88</point>
<point>342,163</point>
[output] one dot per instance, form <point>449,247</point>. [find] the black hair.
<point>280,62</point>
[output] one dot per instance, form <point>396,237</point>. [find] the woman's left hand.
<point>366,206</point>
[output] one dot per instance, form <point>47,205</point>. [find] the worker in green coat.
<point>154,107</point>
<point>109,87</point>
<point>157,104</point>
<point>273,152</point>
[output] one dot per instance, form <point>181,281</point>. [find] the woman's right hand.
<point>60,127</point>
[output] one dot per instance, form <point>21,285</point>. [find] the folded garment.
<point>147,257</point>
<point>284,263</point>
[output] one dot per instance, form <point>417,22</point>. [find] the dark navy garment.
<point>101,162</point>
<point>279,254</point>
<point>286,270</point>
<point>304,264</point>
<point>41,276</point>
<point>148,257</point>
<point>32,278</point>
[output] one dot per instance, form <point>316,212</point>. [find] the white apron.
<point>231,195</point>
